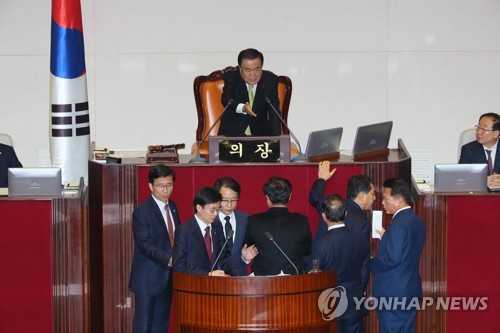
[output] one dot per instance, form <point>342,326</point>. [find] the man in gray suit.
<point>232,219</point>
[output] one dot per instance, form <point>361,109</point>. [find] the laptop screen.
<point>460,177</point>
<point>324,142</point>
<point>34,181</point>
<point>372,137</point>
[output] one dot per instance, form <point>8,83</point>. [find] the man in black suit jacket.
<point>244,117</point>
<point>290,231</point>
<point>8,159</point>
<point>198,241</point>
<point>154,222</point>
<point>360,197</point>
<point>487,133</point>
<point>347,252</point>
<point>396,266</point>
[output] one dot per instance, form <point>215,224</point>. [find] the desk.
<point>116,189</point>
<point>462,235</point>
<point>44,279</point>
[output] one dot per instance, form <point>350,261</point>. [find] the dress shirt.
<point>493,154</point>
<point>239,108</point>
<point>203,226</point>
<point>336,226</point>
<point>232,221</point>
<point>161,205</point>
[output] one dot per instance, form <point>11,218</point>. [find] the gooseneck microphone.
<point>198,158</point>
<point>270,237</point>
<point>228,237</point>
<point>300,157</point>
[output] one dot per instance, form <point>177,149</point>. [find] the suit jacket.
<point>356,218</point>
<point>473,152</point>
<point>267,122</point>
<point>8,159</point>
<point>238,238</point>
<point>152,250</point>
<point>348,253</point>
<point>290,231</point>
<point>190,253</point>
<point>396,266</point>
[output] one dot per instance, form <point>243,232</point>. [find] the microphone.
<point>198,158</point>
<point>270,237</point>
<point>300,157</point>
<point>228,237</point>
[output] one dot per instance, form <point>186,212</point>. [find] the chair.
<point>465,137</point>
<point>6,140</point>
<point>207,95</point>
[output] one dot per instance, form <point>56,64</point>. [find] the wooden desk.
<point>44,279</point>
<point>267,304</point>
<point>116,189</point>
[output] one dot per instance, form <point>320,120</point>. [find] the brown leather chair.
<point>207,95</point>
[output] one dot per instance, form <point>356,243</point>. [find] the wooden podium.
<point>251,304</point>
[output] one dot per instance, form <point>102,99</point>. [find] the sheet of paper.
<point>376,222</point>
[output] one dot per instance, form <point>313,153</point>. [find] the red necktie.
<point>170,226</point>
<point>490,163</point>
<point>208,243</point>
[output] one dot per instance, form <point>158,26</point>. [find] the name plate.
<point>249,149</point>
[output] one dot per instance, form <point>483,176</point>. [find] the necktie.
<point>208,243</point>
<point>250,101</point>
<point>490,162</point>
<point>170,226</point>
<point>228,228</point>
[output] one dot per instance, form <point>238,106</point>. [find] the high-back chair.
<point>207,95</point>
<point>465,137</point>
<point>6,139</point>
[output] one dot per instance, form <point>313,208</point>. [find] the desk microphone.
<point>300,157</point>
<point>228,237</point>
<point>270,237</point>
<point>198,158</point>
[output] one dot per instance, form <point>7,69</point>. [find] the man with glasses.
<point>198,241</point>
<point>154,222</point>
<point>485,148</point>
<point>250,114</point>
<point>231,219</point>
<point>290,231</point>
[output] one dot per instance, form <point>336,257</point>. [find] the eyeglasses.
<point>213,210</point>
<point>163,186</point>
<point>481,129</point>
<point>229,201</point>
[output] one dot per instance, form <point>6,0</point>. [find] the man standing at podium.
<point>396,267</point>
<point>154,222</point>
<point>199,242</point>
<point>346,251</point>
<point>288,231</point>
<point>231,219</point>
<point>250,114</point>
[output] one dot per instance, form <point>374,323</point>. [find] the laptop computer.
<point>34,181</point>
<point>324,142</point>
<point>372,137</point>
<point>460,177</point>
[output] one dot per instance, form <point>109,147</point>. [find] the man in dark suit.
<point>8,159</point>
<point>360,197</point>
<point>396,267</point>
<point>198,241</point>
<point>485,147</point>
<point>231,219</point>
<point>154,222</point>
<point>289,230</point>
<point>250,114</point>
<point>347,252</point>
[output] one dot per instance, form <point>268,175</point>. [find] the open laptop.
<point>34,181</point>
<point>460,177</point>
<point>372,137</point>
<point>324,142</point>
